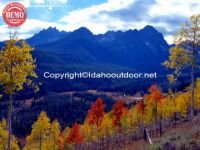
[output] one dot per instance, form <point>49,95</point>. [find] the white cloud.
<point>99,22</point>
<point>92,18</point>
<point>171,8</point>
<point>1,8</point>
<point>39,1</point>
<point>26,3</point>
<point>49,2</point>
<point>4,32</point>
<point>174,7</point>
<point>62,1</point>
<point>33,3</point>
<point>169,39</point>
<point>75,19</point>
<point>31,26</point>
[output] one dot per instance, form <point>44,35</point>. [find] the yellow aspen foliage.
<point>39,137</point>
<point>90,132</point>
<point>62,139</point>
<point>161,108</point>
<point>125,121</point>
<point>4,137</point>
<point>106,126</point>
<point>149,112</point>
<point>17,68</point>
<point>140,108</point>
<point>65,132</point>
<point>54,135</point>
<point>168,107</point>
<point>178,59</point>
<point>126,124</point>
<point>133,116</point>
<point>87,132</point>
<point>182,103</point>
<point>189,39</point>
<point>16,65</point>
<point>197,94</point>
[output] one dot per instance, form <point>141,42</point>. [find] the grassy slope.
<point>185,136</point>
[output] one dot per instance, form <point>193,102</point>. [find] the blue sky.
<point>53,11</point>
<point>102,15</point>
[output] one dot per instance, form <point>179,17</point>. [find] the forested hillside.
<point>118,51</point>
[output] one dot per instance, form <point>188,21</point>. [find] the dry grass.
<point>183,136</point>
<point>139,145</point>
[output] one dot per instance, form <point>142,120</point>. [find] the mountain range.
<point>115,51</point>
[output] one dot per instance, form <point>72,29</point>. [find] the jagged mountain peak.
<point>48,35</point>
<point>149,28</point>
<point>82,32</point>
<point>82,29</point>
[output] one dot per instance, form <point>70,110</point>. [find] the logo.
<point>14,14</point>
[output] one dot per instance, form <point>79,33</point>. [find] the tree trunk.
<point>10,122</point>
<point>160,126</point>
<point>193,86</point>
<point>156,116</point>
<point>175,119</point>
<point>98,138</point>
<point>40,146</point>
<point>54,143</point>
